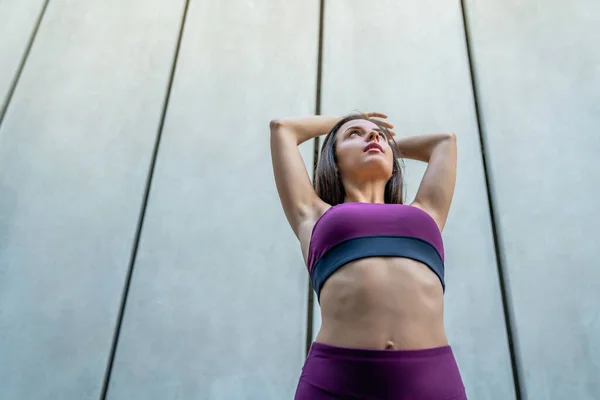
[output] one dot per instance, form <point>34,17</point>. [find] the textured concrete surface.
<point>418,73</point>
<point>17,22</point>
<point>217,308</point>
<point>75,147</point>
<point>538,74</point>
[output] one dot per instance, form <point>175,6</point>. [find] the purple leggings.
<point>332,372</point>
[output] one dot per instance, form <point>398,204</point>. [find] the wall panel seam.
<point>311,295</point>
<point>140,224</point>
<point>497,238</point>
<point>24,58</point>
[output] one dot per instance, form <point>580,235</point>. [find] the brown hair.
<point>328,183</point>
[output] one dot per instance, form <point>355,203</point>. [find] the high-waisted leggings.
<point>332,372</point>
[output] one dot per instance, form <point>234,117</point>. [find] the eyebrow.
<point>378,129</point>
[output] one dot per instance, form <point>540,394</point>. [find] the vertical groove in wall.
<point>311,294</point>
<point>17,76</point>
<point>504,286</point>
<point>142,214</point>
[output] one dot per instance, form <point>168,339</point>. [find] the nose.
<point>373,135</point>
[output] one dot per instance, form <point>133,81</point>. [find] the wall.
<point>143,250</point>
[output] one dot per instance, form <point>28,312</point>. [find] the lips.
<point>373,145</point>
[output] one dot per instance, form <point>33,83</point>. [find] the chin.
<point>376,162</point>
<point>377,169</point>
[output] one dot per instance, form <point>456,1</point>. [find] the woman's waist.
<point>383,302</point>
<point>383,332</point>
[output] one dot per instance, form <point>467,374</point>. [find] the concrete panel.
<point>217,307</point>
<point>408,59</point>
<point>538,73</point>
<point>75,149</point>
<point>17,23</point>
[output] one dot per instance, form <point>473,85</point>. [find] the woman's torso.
<point>379,302</point>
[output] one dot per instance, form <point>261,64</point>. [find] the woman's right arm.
<point>298,198</point>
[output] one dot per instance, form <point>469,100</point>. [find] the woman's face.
<point>363,151</point>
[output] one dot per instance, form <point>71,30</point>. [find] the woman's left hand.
<point>378,119</point>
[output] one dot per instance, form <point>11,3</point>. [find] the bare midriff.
<point>383,303</point>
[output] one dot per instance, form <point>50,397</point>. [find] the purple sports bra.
<point>350,231</point>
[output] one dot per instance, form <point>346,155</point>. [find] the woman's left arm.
<point>437,187</point>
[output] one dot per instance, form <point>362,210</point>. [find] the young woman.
<point>376,264</point>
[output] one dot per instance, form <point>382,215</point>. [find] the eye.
<point>353,132</point>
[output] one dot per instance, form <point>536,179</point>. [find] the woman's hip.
<point>339,372</point>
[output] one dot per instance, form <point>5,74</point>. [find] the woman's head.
<point>356,151</point>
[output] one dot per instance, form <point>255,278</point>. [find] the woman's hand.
<point>377,118</point>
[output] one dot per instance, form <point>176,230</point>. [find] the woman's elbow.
<point>451,140</point>
<point>275,124</point>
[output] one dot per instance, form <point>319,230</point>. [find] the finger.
<point>388,125</point>
<point>377,114</point>
<point>380,120</point>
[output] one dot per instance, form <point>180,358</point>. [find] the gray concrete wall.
<point>216,307</point>
<point>75,149</point>
<point>538,78</point>
<point>17,24</point>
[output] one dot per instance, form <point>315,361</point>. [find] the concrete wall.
<point>18,23</point>
<point>143,250</point>
<point>75,150</point>
<point>217,306</point>
<point>537,69</point>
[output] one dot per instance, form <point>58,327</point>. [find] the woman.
<point>376,264</point>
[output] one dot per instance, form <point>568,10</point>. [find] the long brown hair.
<point>328,183</point>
